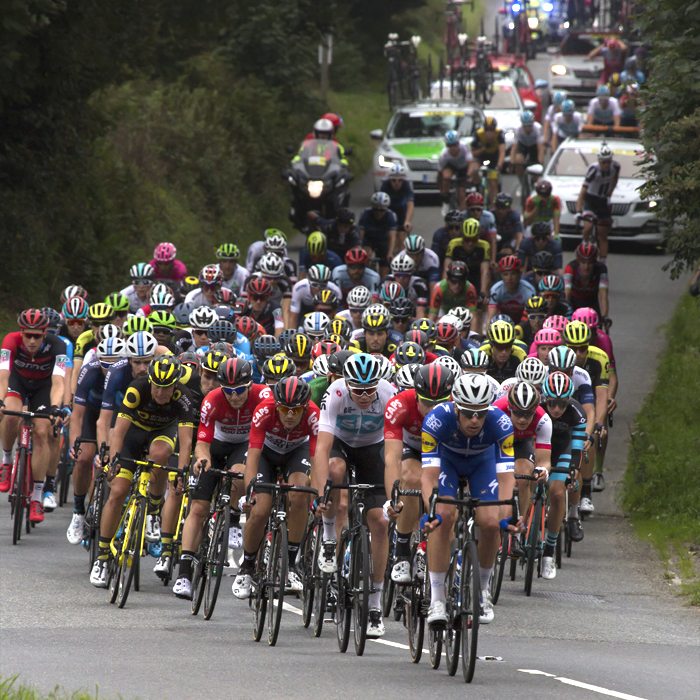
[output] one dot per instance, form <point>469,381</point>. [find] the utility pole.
<point>325,58</point>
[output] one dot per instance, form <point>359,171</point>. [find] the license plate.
<point>589,83</point>
<point>425,177</point>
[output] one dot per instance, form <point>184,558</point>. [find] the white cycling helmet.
<point>451,364</point>
<point>141,271</point>
<point>414,243</point>
<point>203,317</point>
<point>386,369</point>
<point>402,263</point>
<point>374,309</point>
<point>272,265</point>
<point>472,390</point>
<point>110,348</point>
<point>359,298</point>
<point>316,324</point>
<point>380,200</point>
<point>474,358</point>
<point>320,274</point>
<point>397,170</point>
<point>605,152</point>
<point>463,313</point>
<point>157,289</point>
<point>404,377</point>
<point>323,128</point>
<point>320,366</point>
<point>453,320</point>
<point>275,244</point>
<point>109,330</point>
<point>141,344</point>
<point>532,371</point>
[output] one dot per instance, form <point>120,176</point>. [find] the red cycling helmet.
<point>224,296</point>
<point>334,119</point>
<point>247,327</point>
<point>587,251</point>
<point>415,335</point>
<point>356,256</point>
<point>447,333</point>
<point>613,44</point>
<point>33,320</point>
<point>475,200</point>
<point>548,336</point>
<point>510,262</point>
<point>235,372</point>
<point>260,287</point>
<point>211,274</point>
<point>324,347</point>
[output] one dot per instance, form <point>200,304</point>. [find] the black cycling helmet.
<point>55,318</point>
<point>235,372</point>
<point>345,216</point>
<point>291,392</point>
<point>433,382</point>
<point>222,347</point>
<point>425,325</point>
<point>543,260</point>
<point>225,313</point>
<point>457,271</point>
<point>265,346</point>
<point>504,200</point>
<point>190,359</point>
<point>415,335</point>
<point>336,361</point>
<point>286,336</point>
<point>409,353</point>
<point>299,347</point>
<point>402,308</point>
<point>222,330</point>
<point>164,370</point>
<point>541,229</point>
<point>454,216</point>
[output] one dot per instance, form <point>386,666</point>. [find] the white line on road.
<point>585,686</point>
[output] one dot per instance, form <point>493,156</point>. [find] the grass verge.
<point>661,488</point>
<point>10,689</point>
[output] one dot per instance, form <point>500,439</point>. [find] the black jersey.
<point>144,412</point>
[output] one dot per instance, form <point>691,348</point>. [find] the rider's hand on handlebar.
<point>542,475</point>
<point>391,514</point>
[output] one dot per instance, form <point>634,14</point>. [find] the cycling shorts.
<point>525,449</point>
<point>410,453</point>
<point>380,248</point>
<point>599,206</point>
<point>480,471</point>
<point>530,152</point>
<point>460,174</point>
<point>294,462</point>
<point>33,393</point>
<point>138,441</point>
<point>369,468</point>
<point>223,456</point>
<point>88,429</point>
<point>561,463</point>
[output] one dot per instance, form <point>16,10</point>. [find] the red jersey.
<point>268,429</point>
<point>221,422</point>
<point>540,427</point>
<point>50,358</point>
<point>402,419</point>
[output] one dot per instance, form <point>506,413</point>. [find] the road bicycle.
<point>535,522</point>
<point>96,500</point>
<point>188,482</point>
<point>65,468</point>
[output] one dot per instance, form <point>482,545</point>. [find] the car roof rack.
<point>597,130</point>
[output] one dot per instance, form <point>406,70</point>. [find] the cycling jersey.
<point>532,139</point>
<point>341,279</point>
<point>359,344</point>
<point>134,302</point>
<point>603,114</point>
<point>599,183</point>
<point>91,385</point>
<point>585,294</point>
<point>545,208</point>
<point>583,390</point>
<point>86,341</point>
<point>429,268</point>
<point>568,438</point>
<point>69,349</point>
<point>511,304</point>
<point>221,422</point>
<point>268,430</point>
<point>500,374</point>
<point>196,298</point>
<point>528,249</point>
<point>119,377</point>
<point>255,251</point>
<point>318,388</point>
<point>417,290</point>
<point>270,318</point>
<point>508,228</point>
<point>302,299</point>
<point>601,340</point>
<point>563,128</point>
<point>49,360</point>
<point>399,198</point>
<point>479,142</point>
<point>458,162</point>
<point>345,314</point>
<point>178,273</point>
<point>236,283</point>
<point>597,365</point>
<point>473,259</point>
<point>356,427</point>
<point>377,230</point>
<point>539,428</point>
<point>331,261</point>
<point>241,345</point>
<point>443,300</point>
<point>402,419</point>
<point>143,412</point>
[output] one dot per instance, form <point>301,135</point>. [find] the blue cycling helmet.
<point>451,138</point>
<point>558,386</point>
<point>558,97</point>
<point>502,317</point>
<point>527,118</point>
<point>361,369</point>
<point>568,107</point>
<point>222,330</point>
<point>603,91</point>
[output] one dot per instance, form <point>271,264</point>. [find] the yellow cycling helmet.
<point>316,244</point>
<point>101,313</point>
<point>471,228</point>
<point>341,327</point>
<point>164,371</point>
<point>212,359</point>
<point>536,304</point>
<point>501,333</point>
<point>490,123</point>
<point>577,333</point>
<point>298,348</point>
<point>277,367</point>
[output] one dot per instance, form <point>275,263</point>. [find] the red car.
<point>515,68</point>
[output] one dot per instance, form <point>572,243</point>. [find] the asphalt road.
<point>608,625</point>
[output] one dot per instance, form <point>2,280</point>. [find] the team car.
<point>507,106</point>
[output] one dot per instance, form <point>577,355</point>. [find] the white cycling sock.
<point>437,586</point>
<point>484,576</point>
<point>328,528</point>
<point>6,456</point>
<point>573,511</point>
<point>38,492</point>
<point>375,599</point>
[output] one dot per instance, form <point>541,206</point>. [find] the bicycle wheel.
<point>501,562</point>
<point>199,569</point>
<point>130,552</point>
<point>471,609</point>
<point>94,511</point>
<point>361,577</point>
<point>435,647</point>
<point>343,605</point>
<point>258,599</point>
<point>277,580</point>
<point>308,566</point>
<point>452,604</point>
<point>216,560</point>
<point>387,597</point>
<point>64,472</point>
<point>20,474</point>
<point>532,546</point>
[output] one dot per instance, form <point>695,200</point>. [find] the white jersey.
<point>196,298</point>
<point>564,129</point>
<point>237,280</point>
<point>603,115</point>
<point>532,139</point>
<point>430,260</point>
<point>356,427</point>
<point>345,313</point>
<point>551,114</point>
<point>134,302</point>
<point>599,183</point>
<point>505,386</point>
<point>301,294</point>
<point>90,356</point>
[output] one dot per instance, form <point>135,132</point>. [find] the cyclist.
<point>165,264</point>
<point>316,253</point>
<point>156,410</point>
<point>566,124</point>
<point>160,299</point>
<point>195,337</point>
<point>465,437</point>
<point>603,109</point>
<point>164,328</point>
<point>544,207</point>
<point>99,315</point>
<point>378,228</point>
<point>400,191</point>
<point>377,338</point>
<point>427,264</point>
<point>447,233</point>
<point>454,290</point>
<point>528,146</point>
<point>298,349</point>
<point>355,273</point>
<point>233,274</point>
<point>210,280</point>
<point>475,253</point>
<point>542,266</point>
<point>403,423</point>
<point>341,232</point>
<point>283,439</point>
<point>555,108</point>
<point>586,281</point>
<point>351,433</point>
<point>120,303</point>
<point>504,355</point>
<point>536,310</point>
<point>550,288</point>
<point>629,102</point>
<point>303,292</point>
<point>487,222</point>
<point>277,367</point>
<point>415,288</point>
<point>509,227</point>
<point>358,299</point>
<point>488,148</point>
<point>541,240</point>
<point>142,278</point>
<point>510,295</point>
<point>613,53</point>
<point>32,372</point>
<point>274,241</point>
<point>403,313</point>
<point>261,309</point>
<point>75,313</point>
<point>454,161</point>
<point>272,269</point>
<point>319,384</point>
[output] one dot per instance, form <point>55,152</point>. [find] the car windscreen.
<point>516,73</point>
<point>503,98</point>
<point>427,124</point>
<point>574,45</point>
<point>574,162</point>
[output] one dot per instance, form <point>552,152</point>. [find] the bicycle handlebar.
<point>610,129</point>
<point>27,414</point>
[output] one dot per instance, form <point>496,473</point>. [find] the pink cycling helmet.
<point>587,315</point>
<point>165,252</point>
<point>558,323</point>
<point>548,336</point>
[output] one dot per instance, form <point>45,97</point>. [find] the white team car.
<point>415,138</point>
<point>572,71</point>
<point>506,106</point>
<point>634,219</point>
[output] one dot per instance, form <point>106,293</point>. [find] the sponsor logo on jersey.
<point>507,446</point>
<point>504,422</point>
<point>428,442</point>
<point>432,422</point>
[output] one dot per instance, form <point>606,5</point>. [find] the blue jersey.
<point>399,198</point>
<point>241,345</point>
<point>69,350</point>
<point>377,230</point>
<point>117,381</point>
<point>511,304</point>
<point>332,260</point>
<point>91,384</point>
<point>487,221</point>
<point>341,279</point>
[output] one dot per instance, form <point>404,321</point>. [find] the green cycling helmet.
<point>135,324</point>
<point>163,319</point>
<point>119,302</point>
<point>228,251</point>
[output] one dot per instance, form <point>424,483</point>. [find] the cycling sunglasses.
<point>162,330</point>
<point>369,391</point>
<point>498,346</point>
<point>75,322</point>
<point>541,238</point>
<point>537,317</point>
<point>295,411</point>
<point>521,414</point>
<point>211,287</point>
<point>454,227</point>
<point>396,179</point>
<point>470,413</point>
<point>121,314</point>
<point>142,282</point>
<point>33,336</point>
<point>475,208</point>
<point>558,403</point>
<point>105,364</point>
<point>237,390</point>
<point>401,274</point>
<point>258,297</point>
<point>431,402</point>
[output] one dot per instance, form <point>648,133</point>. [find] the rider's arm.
<point>596,51</point>
<point>4,381</point>
<point>501,155</point>
<point>323,453</point>
<point>603,300</point>
<point>77,365</point>
<point>485,276</point>
<point>601,404</point>
<point>410,210</point>
<point>76,423</point>
<point>555,221</point>
<point>57,389</point>
<point>121,426</point>
<point>202,450</point>
<point>184,436</point>
<point>251,464</point>
<point>540,152</point>
<point>393,450</point>
<point>581,195</point>
<point>555,140</point>
<point>392,243</point>
<point>530,211</point>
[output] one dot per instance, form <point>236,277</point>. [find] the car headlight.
<point>547,7</point>
<point>385,162</point>
<point>315,188</point>
<point>510,135</point>
<point>558,69</point>
<point>653,204</point>
<point>532,22</point>
<point>511,25</point>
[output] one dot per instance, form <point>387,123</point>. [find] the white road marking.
<point>585,686</point>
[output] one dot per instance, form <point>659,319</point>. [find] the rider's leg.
<point>408,517</point>
<point>379,532</point>
<point>519,162</point>
<point>603,229</point>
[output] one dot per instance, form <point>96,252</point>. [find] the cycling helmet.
<point>417,336</point>
<point>222,331</point>
<point>558,386</point>
<point>75,308</point>
<point>269,232</point>
<point>361,369</point>
<point>558,97</point>
<point>228,251</point>
<point>202,317</point>
<point>359,298</point>
<point>135,324</point>
<point>434,382</point>
<point>316,244</point>
<point>397,170</point>
<point>299,347</point>
<point>316,324</point>
<point>101,313</point>
<point>190,359</point>
<point>471,228</point>
<point>356,256</point>
<point>475,199</point>
<point>409,353</point>
<point>504,200</point>
<point>110,348</point>
<point>235,371</point>
<point>454,216</point>
<point>111,331</point>
<point>450,363</point>
<point>141,344</point>
<point>386,369</point>
<point>425,325</point>
<point>214,357</point>
<point>537,304</point>
<point>337,360</point>
<point>501,333</point>
<point>551,284</point>
<point>259,287</point>
<point>463,314</point>
<point>211,274</point>
<point>588,316</point>
<point>334,119</point>
<point>225,296</point>
<point>605,152</point>
<point>320,275</point>
<point>33,320</point>
<point>522,396</point>
<point>339,326</point>
<point>587,251</point>
<point>561,359</point>
<point>543,260</point>
<point>490,123</point>
<point>335,338</point>
<point>603,91</point>
<point>73,290</point>
<point>247,327</point>
<point>162,300</point>
<point>451,138</point>
<point>265,346</point>
<point>391,291</point>
<point>509,262</point>
<point>320,366</point>
<point>55,318</point>
<point>405,375</point>
<point>286,335</point>
<point>324,347</point>
<point>547,336</point>
<point>345,216</point>
<point>532,371</point>
<point>380,200</point>
<point>142,271</point>
<point>527,118</point>
<point>577,333</point>
<point>291,392</point>
<point>457,271</point>
<point>119,302</point>
<point>414,244</point>
<point>164,370</point>
<point>402,309</point>
<point>402,264</point>
<point>474,359</point>
<point>223,348</point>
<point>323,129</point>
<point>188,284</point>
<point>225,313</point>
<point>541,229</point>
<point>162,319</point>
<point>447,333</point>
<point>472,390</point>
<point>568,107</point>
<point>275,244</point>
<point>165,252</point>
<point>272,265</point>
<point>376,321</point>
<point>502,317</point>
<point>277,367</point>
<point>543,189</point>
<point>326,298</point>
<point>453,320</point>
